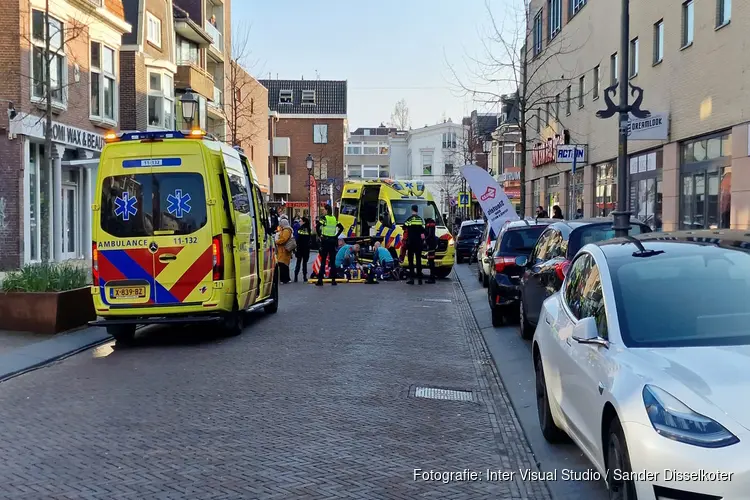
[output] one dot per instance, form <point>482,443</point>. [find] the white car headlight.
<point>674,420</point>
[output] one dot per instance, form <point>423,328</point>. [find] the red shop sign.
<point>544,153</point>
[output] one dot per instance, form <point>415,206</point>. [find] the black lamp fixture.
<point>189,104</point>
<point>310,163</point>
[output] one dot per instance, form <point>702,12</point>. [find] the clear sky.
<point>387,50</point>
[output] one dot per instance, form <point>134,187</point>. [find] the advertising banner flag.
<point>493,200</point>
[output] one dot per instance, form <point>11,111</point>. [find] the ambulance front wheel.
<point>123,334</point>
<point>442,272</point>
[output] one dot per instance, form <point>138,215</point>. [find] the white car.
<point>485,261</point>
<point>643,359</point>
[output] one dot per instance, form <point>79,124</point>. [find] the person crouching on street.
<point>383,261</point>
<point>346,258</point>
<point>284,249</point>
<point>303,248</point>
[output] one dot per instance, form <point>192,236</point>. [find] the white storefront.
<point>57,197</point>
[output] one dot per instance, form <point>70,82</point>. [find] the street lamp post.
<point>310,163</point>
<point>189,103</point>
<point>622,214</point>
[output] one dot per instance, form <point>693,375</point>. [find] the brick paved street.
<point>314,402</point>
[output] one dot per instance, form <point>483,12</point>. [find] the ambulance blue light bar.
<point>154,135</point>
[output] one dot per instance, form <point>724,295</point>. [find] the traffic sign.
<point>463,199</point>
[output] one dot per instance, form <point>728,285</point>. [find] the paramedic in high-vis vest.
<point>329,229</point>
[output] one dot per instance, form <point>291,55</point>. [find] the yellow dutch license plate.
<point>128,292</point>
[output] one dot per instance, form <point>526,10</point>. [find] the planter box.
<point>46,312</point>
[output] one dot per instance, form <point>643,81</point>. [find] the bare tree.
<point>509,65</point>
<point>56,35</point>
<point>400,116</point>
<point>243,124</point>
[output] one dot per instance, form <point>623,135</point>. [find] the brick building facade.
<point>312,120</point>
<point>45,195</point>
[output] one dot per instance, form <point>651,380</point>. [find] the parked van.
<point>180,233</point>
<point>380,207</point>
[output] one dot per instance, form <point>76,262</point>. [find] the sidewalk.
<point>317,401</point>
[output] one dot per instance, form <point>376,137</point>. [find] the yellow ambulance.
<point>380,207</point>
<point>180,234</point>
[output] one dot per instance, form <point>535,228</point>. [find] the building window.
<point>320,133</point>
<point>554,16</point>
<point>575,194</point>
<point>552,185</point>
<point>308,97</point>
<point>538,120</point>
<point>605,194</point>
<point>103,82</point>
<point>448,169</point>
<point>688,23</point>
<point>426,163</point>
<point>633,58</point>
<point>371,150</point>
<point>56,59</point>
<point>370,171</point>
<point>538,33</point>
<point>569,97</point>
<point>536,189</point>
<point>286,97</point>
<point>353,149</point>
<point>154,30</point>
<point>581,90</point>
<point>597,83</point>
<point>723,12</point>
<point>354,171</point>
<point>449,140</point>
<point>160,100</point>
<point>187,52</point>
<point>547,113</point>
<point>659,42</point>
<point>281,167</point>
<point>613,69</point>
<point>384,171</point>
<point>576,5</point>
<point>645,183</point>
<point>557,107</point>
<point>706,183</point>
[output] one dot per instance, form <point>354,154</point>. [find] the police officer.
<point>430,241</point>
<point>303,248</point>
<point>414,228</point>
<point>329,229</point>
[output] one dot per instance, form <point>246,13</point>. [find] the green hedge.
<point>46,277</point>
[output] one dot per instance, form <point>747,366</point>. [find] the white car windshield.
<point>693,294</point>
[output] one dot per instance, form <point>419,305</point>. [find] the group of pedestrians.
<point>295,239</point>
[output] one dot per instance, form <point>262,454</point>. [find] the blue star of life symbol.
<point>409,185</point>
<point>125,206</point>
<point>179,204</point>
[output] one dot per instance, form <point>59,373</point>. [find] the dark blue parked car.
<point>468,238</point>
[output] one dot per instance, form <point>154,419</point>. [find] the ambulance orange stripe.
<point>193,276</point>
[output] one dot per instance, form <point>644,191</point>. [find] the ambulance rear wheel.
<point>274,306</point>
<point>123,334</point>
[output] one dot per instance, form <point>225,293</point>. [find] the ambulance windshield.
<point>402,210</point>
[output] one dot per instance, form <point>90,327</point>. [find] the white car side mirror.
<point>586,331</point>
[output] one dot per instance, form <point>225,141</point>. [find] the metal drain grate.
<point>445,394</point>
<point>445,301</point>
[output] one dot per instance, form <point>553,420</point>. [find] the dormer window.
<point>308,97</point>
<point>285,97</point>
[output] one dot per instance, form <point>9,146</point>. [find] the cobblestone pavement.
<point>314,402</point>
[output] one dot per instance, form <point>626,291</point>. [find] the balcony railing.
<point>218,43</point>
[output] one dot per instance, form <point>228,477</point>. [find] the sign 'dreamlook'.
<point>655,127</point>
